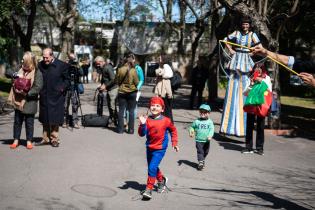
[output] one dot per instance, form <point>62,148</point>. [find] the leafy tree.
<point>17,21</point>
<point>65,14</point>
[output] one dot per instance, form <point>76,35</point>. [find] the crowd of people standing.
<point>55,85</point>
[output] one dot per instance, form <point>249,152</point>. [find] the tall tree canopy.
<point>65,14</point>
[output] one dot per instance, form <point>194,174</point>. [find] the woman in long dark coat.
<point>52,96</point>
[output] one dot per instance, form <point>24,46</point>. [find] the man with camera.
<point>72,93</point>
<point>108,84</point>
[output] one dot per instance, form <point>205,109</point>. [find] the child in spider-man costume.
<point>156,127</point>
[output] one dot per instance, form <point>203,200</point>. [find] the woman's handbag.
<point>80,88</point>
<point>22,84</point>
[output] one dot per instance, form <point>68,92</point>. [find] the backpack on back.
<point>176,80</point>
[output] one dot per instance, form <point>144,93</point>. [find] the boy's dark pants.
<point>260,136</point>
<point>202,150</point>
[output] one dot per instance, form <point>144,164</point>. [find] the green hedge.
<point>5,84</point>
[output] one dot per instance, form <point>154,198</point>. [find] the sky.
<point>95,10</point>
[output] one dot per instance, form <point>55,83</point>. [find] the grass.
<point>298,101</point>
<point>4,94</point>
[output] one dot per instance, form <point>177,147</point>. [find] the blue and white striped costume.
<point>233,120</point>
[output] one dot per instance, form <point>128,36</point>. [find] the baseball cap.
<point>205,107</point>
<point>157,100</point>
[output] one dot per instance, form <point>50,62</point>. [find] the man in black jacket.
<point>108,84</point>
<point>52,96</point>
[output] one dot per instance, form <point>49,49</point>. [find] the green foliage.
<point>9,6</point>
<point>223,83</point>
<point>5,84</point>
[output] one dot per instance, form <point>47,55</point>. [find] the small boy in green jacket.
<point>202,129</point>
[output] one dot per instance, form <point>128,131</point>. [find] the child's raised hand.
<point>176,148</point>
<point>143,119</point>
<point>209,138</point>
<point>191,133</point>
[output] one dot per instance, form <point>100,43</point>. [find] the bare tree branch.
<point>264,13</point>
<point>31,19</point>
<point>294,9</point>
<point>168,21</point>
<point>191,8</point>
<point>162,6</point>
<point>51,11</point>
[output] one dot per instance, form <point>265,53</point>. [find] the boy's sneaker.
<point>247,151</point>
<point>147,194</point>
<point>201,165</point>
<point>259,152</point>
<point>162,185</point>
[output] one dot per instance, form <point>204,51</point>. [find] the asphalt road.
<point>95,168</point>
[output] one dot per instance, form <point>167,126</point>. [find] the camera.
<point>73,73</point>
<point>73,62</point>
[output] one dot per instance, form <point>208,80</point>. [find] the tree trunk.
<point>25,38</point>
<point>66,42</point>
<point>212,76</point>
<point>65,15</point>
<point>180,43</point>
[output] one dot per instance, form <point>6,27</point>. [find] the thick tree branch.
<point>192,9</point>
<point>17,27</point>
<point>294,9</point>
<point>245,10</point>
<point>51,11</point>
<point>31,19</point>
<point>168,21</point>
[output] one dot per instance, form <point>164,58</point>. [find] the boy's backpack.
<point>176,80</point>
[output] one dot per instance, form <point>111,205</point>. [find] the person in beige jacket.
<point>163,86</point>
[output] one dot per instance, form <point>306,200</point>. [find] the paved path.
<point>95,168</point>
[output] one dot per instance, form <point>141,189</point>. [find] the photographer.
<point>72,93</point>
<point>108,84</point>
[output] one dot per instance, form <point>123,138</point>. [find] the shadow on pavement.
<point>222,138</point>
<point>277,202</point>
<point>187,162</point>
<point>228,143</point>
<point>133,185</point>
<point>21,142</point>
<point>57,203</point>
<point>6,141</point>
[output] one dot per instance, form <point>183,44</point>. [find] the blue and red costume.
<point>156,131</point>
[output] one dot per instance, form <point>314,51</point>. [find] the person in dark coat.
<point>52,96</point>
<point>198,81</point>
